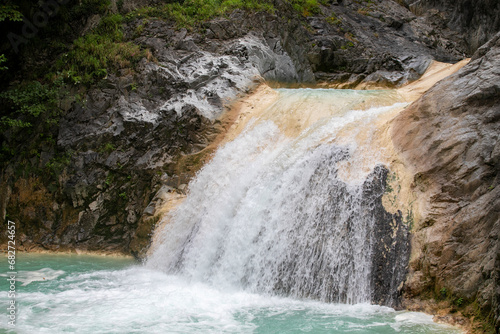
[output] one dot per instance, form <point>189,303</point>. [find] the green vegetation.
<point>307,7</point>
<point>27,103</point>
<point>192,12</point>
<point>29,121</point>
<point>109,179</point>
<point>9,12</point>
<point>94,54</point>
<point>333,19</point>
<point>3,59</point>
<point>107,148</point>
<point>347,46</point>
<point>409,220</point>
<point>56,165</point>
<point>482,319</point>
<point>32,107</point>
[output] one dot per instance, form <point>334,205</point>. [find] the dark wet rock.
<point>391,245</point>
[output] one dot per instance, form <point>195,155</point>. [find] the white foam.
<point>140,300</point>
<point>269,213</point>
<point>45,274</point>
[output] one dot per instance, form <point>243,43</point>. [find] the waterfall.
<point>292,206</point>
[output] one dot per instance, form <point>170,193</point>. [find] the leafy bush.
<point>10,12</point>
<point>29,112</point>
<point>27,103</point>
<point>94,54</point>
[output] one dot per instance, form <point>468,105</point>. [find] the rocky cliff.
<point>130,141</point>
<point>450,141</point>
<point>134,138</point>
<point>466,24</point>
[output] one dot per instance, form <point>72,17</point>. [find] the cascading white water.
<point>286,207</point>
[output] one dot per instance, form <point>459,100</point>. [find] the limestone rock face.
<point>449,139</point>
<point>467,24</point>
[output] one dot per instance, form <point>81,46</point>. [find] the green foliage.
<point>29,112</point>
<point>333,19</point>
<point>9,12</point>
<point>347,46</point>
<point>57,164</point>
<point>3,59</point>
<point>31,98</point>
<point>107,148</point>
<point>443,292</point>
<point>306,7</point>
<point>29,102</point>
<point>459,301</point>
<point>123,196</point>
<point>109,180</point>
<point>94,54</point>
<point>192,12</point>
<point>49,139</point>
<point>7,122</point>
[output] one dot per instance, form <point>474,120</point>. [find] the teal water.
<point>96,294</point>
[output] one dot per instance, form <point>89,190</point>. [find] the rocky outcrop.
<point>449,140</point>
<point>138,134</point>
<point>373,42</point>
<point>465,24</point>
<point>135,135</point>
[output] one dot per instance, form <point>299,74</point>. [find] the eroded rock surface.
<point>465,24</point>
<point>449,139</point>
